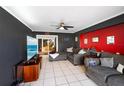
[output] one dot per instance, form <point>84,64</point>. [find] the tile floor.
<point>61,73</point>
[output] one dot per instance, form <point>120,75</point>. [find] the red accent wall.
<point>115,30</point>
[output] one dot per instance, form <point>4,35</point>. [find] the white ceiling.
<point>40,18</point>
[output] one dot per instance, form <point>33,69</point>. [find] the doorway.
<point>49,43</point>
<point>48,46</point>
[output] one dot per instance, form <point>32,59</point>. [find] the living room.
<point>62,45</point>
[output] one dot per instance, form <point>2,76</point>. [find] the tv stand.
<point>31,69</point>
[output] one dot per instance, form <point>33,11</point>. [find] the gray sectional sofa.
<point>76,59</point>
<point>73,57</point>
<point>106,76</point>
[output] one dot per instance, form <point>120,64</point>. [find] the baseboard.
<point>16,83</point>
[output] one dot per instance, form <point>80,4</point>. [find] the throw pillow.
<point>81,51</point>
<point>98,54</point>
<point>93,61</point>
<point>107,62</point>
<point>76,50</point>
<point>120,68</point>
<point>70,49</point>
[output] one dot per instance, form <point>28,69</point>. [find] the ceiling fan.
<point>62,26</point>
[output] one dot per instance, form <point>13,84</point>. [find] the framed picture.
<point>85,41</point>
<point>110,39</point>
<point>95,39</point>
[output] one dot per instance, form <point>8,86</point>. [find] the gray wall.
<point>107,23</point>
<point>12,45</point>
<point>64,40</point>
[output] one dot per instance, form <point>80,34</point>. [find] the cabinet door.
<point>35,72</point>
<point>31,73</point>
<point>28,73</point>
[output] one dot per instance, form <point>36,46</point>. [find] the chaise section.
<point>116,80</point>
<point>103,72</point>
<point>102,75</point>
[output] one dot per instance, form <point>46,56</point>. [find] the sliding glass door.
<point>48,46</point>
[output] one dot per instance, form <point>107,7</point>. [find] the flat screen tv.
<point>32,47</point>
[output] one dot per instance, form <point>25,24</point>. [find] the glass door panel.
<point>45,46</point>
<point>48,46</point>
<point>52,44</point>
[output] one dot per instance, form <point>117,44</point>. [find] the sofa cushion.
<point>104,72</point>
<point>120,68</point>
<point>107,62</point>
<point>81,52</point>
<point>117,58</point>
<point>71,57</point>
<point>106,55</point>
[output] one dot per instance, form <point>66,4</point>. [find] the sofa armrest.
<point>78,59</point>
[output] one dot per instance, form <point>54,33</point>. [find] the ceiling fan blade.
<point>57,27</point>
<point>65,28</point>
<point>69,26</point>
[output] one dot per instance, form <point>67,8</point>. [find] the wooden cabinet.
<point>31,71</point>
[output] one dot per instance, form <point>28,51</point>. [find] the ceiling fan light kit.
<point>61,28</point>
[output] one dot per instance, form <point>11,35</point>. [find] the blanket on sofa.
<point>55,55</point>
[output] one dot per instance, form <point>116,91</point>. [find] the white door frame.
<point>49,37</point>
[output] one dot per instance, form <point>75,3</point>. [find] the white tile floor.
<point>60,73</point>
